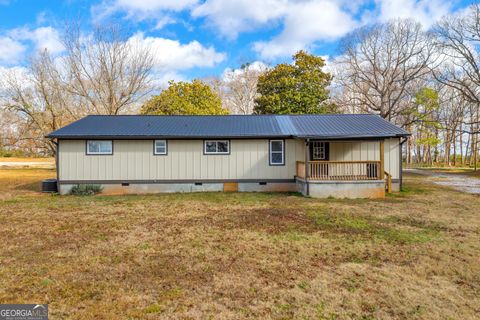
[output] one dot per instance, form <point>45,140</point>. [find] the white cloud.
<point>161,79</point>
<point>146,6</point>
<point>310,21</point>
<point>233,17</point>
<point>47,38</point>
<point>141,9</point>
<point>230,73</point>
<point>43,38</point>
<point>172,55</point>
<point>427,12</point>
<point>304,24</point>
<point>303,21</point>
<point>163,21</point>
<point>11,51</point>
<point>41,17</point>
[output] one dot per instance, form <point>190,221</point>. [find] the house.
<point>352,155</point>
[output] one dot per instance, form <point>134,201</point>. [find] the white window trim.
<point>155,148</point>
<point>322,146</point>
<point>271,152</point>
<point>216,152</point>
<point>90,153</point>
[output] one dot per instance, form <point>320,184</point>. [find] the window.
<point>217,147</point>
<point>99,147</point>
<point>319,150</point>
<point>160,147</point>
<point>277,153</point>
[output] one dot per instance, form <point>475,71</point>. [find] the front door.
<point>319,151</point>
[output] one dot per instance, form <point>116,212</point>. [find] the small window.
<point>160,147</point>
<point>319,150</point>
<point>99,147</point>
<point>277,153</point>
<point>217,147</point>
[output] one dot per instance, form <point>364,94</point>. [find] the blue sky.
<point>197,38</point>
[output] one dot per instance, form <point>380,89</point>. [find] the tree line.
<point>427,81</point>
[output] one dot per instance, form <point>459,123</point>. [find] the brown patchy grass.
<point>25,181</point>
<point>414,255</point>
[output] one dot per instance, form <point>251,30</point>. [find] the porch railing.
<point>340,170</point>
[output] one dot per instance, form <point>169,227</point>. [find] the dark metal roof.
<point>333,126</point>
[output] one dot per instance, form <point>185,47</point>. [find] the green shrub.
<point>86,189</point>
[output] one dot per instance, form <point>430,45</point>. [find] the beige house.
<point>317,155</point>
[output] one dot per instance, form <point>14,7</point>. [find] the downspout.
<point>401,160</point>
<point>307,166</point>
<point>56,160</point>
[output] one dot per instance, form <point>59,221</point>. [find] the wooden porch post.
<point>382,160</point>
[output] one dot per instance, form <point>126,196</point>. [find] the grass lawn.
<point>414,255</point>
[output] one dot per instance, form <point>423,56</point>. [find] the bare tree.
<point>37,98</point>
<point>241,88</point>
<point>100,73</point>
<point>218,86</point>
<point>237,88</point>
<point>459,38</point>
<point>107,72</point>
<point>9,126</point>
<point>380,64</point>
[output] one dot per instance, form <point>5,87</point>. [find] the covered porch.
<point>344,169</point>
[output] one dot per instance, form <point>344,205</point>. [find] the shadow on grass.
<point>32,186</point>
<point>294,224</point>
<point>391,230</point>
<point>408,191</point>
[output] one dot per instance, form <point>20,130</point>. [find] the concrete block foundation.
<point>372,189</point>
<point>317,189</point>
<point>145,188</point>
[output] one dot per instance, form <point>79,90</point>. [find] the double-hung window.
<point>216,147</point>
<point>160,147</point>
<point>277,152</point>
<point>99,147</point>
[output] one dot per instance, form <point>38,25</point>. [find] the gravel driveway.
<point>27,164</point>
<point>456,181</point>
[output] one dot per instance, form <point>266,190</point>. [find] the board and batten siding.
<point>248,159</point>
<point>368,150</point>
<point>392,157</point>
<point>134,160</point>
